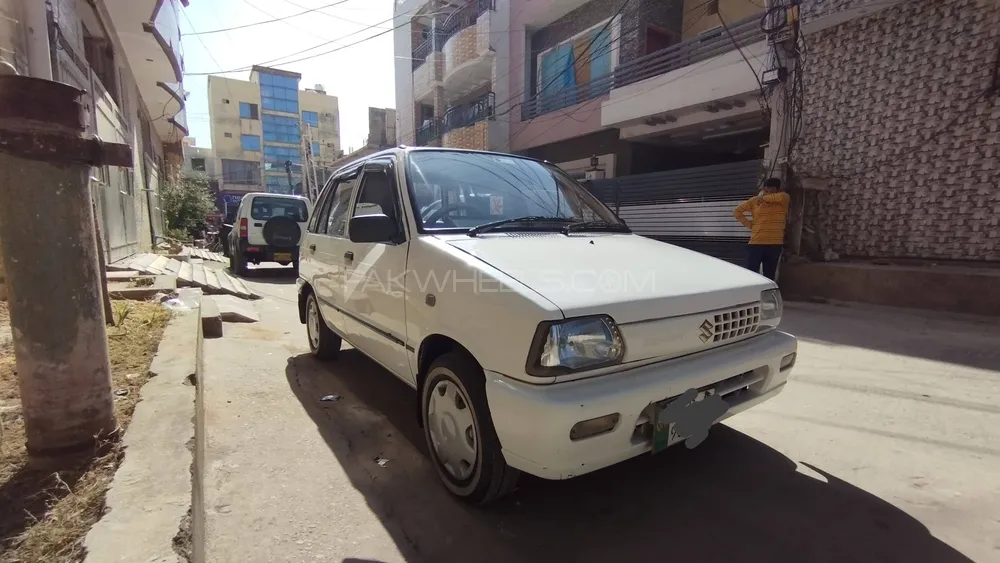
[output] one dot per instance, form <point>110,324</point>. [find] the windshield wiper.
<point>531,219</point>
<point>599,225</point>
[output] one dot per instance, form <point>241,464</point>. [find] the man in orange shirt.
<point>768,212</point>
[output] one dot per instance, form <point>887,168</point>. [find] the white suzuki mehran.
<point>540,334</point>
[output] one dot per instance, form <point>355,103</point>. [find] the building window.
<point>315,149</point>
<point>248,111</point>
<point>571,72</point>
<point>280,129</point>
<point>311,117</point>
<point>279,184</point>
<point>276,156</point>
<point>225,101</point>
<point>227,135</point>
<point>279,93</point>
<point>240,171</point>
<point>250,142</point>
<point>198,164</point>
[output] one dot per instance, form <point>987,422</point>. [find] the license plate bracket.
<point>686,418</point>
<point>282,256</point>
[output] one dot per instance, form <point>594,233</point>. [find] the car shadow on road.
<point>270,273</point>
<point>731,499</point>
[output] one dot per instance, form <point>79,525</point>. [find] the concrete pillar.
<point>50,258</point>
<point>439,103</point>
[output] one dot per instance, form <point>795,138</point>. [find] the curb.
<point>154,506</point>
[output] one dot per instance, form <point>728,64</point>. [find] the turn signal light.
<point>594,427</point>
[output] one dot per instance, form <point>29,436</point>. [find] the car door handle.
<point>257,224</point>
<point>312,247</point>
<point>349,256</point>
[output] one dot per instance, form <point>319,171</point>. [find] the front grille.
<point>735,323</point>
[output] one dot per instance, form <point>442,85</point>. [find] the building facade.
<point>381,135</point>
<point>267,134</point>
<point>133,84</point>
<point>451,68</point>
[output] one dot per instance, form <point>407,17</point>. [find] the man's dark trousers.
<point>767,255</point>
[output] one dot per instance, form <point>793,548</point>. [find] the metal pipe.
<point>36,27</point>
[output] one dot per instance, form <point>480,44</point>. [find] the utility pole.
<point>50,257</point>
<point>781,77</point>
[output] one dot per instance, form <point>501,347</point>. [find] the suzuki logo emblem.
<point>707,331</point>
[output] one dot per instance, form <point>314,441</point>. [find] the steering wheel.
<point>444,211</point>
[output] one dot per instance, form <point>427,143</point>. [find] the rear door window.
<point>263,208</point>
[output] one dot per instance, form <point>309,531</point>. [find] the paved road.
<point>884,447</point>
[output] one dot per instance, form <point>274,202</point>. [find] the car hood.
<point>630,277</point>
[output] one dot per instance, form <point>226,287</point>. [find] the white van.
<point>539,333</point>
<point>267,228</point>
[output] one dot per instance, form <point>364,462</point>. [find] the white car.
<point>267,228</point>
<point>539,334</point>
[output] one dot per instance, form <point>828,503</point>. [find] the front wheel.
<point>461,439</point>
<point>323,342</point>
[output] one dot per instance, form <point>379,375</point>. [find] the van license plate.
<point>686,419</point>
<point>282,256</point>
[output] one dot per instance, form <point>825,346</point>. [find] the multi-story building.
<point>126,55</point>
<point>264,129</point>
<point>451,69</point>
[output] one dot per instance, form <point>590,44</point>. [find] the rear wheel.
<point>461,439</point>
<point>323,342</point>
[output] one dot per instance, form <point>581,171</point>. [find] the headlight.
<point>575,345</point>
<point>770,307</point>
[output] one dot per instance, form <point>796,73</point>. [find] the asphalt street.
<point>883,447</point>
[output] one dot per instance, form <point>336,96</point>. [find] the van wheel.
<point>323,342</point>
<point>461,439</point>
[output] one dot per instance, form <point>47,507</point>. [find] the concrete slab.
<point>150,497</point>
<point>123,275</point>
<point>232,309</point>
<point>211,319</point>
<point>126,289</point>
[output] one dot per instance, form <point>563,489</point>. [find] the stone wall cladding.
<point>471,137</point>
<point>876,91</point>
<point>427,76</point>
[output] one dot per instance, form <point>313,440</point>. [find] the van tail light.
<point>243,227</point>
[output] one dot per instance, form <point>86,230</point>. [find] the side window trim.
<point>385,166</point>
<point>324,196</point>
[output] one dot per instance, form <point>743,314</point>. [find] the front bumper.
<point>533,422</point>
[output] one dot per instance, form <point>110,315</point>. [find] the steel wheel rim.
<point>313,324</point>
<point>452,429</point>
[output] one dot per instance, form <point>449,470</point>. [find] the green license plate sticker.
<point>687,418</point>
<point>282,256</point>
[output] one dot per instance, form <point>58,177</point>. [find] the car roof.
<point>402,150</point>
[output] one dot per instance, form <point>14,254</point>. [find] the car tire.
<point>239,264</point>
<point>460,385</point>
<point>324,344</point>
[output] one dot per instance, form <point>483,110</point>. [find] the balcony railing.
<point>705,46</point>
<point>463,17</point>
<point>696,49</point>
<point>457,117</point>
<point>558,98</point>
<point>422,51</point>
<point>470,113</point>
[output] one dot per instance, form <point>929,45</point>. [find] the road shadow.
<point>270,273</point>
<point>957,339</point>
<point>731,499</point>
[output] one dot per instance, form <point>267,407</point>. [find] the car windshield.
<point>462,190</point>
<point>266,207</point>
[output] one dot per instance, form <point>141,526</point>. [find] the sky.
<point>360,76</point>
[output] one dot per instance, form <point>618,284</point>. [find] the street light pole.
<point>50,257</point>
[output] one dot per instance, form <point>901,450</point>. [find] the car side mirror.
<point>376,227</point>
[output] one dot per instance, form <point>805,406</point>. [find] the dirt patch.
<point>44,516</point>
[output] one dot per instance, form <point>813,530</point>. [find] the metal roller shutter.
<point>690,207</point>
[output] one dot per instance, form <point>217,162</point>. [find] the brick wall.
<point>471,137</point>
<point>876,91</point>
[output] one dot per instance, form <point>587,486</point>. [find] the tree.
<point>186,201</point>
